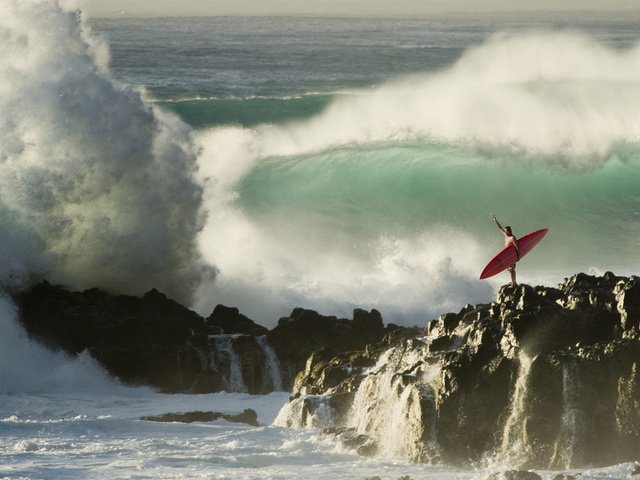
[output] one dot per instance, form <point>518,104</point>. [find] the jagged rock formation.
<point>150,340</point>
<point>541,378</point>
<point>155,341</point>
<point>229,320</point>
<point>305,332</point>
<point>248,416</point>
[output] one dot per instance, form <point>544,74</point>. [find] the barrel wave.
<point>384,199</point>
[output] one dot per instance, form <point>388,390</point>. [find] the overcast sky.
<point>97,8</point>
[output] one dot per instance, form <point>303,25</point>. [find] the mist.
<point>558,99</point>
<point>338,8</point>
<point>96,185</point>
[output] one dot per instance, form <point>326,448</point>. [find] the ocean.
<point>270,163</point>
<point>357,162</point>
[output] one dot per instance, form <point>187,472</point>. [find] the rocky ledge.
<point>540,378</point>
<point>248,416</point>
<point>157,342</point>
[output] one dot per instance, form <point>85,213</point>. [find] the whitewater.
<point>270,163</point>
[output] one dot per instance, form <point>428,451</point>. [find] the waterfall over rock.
<point>515,444</point>
<point>541,378</point>
<point>225,359</point>
<point>155,341</point>
<point>395,404</point>
<point>271,365</point>
<point>567,444</point>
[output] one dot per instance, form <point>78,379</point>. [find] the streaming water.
<point>271,365</point>
<point>224,355</point>
<point>515,447</point>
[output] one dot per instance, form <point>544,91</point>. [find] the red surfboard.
<point>507,256</point>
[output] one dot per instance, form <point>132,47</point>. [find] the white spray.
<point>391,413</point>
<point>96,186</point>
<point>558,97</point>
<point>28,367</point>
<point>306,411</point>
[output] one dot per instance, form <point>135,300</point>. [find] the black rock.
<point>564,476</point>
<point>514,475</point>
<point>151,340</point>
<point>230,320</point>
<point>554,368</point>
<point>248,416</point>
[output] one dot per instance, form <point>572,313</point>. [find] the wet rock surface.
<point>541,378</point>
<point>248,416</point>
<point>150,340</point>
<point>155,341</point>
<point>514,475</point>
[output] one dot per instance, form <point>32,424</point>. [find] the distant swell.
<point>246,112</point>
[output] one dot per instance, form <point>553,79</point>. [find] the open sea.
<point>269,163</point>
<point>357,162</point>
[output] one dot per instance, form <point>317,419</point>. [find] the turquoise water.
<point>246,112</point>
<point>409,188</point>
<point>357,162</point>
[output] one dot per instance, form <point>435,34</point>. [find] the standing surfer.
<point>509,239</point>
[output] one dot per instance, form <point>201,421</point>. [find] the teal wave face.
<point>245,112</point>
<point>385,197</point>
<point>365,192</point>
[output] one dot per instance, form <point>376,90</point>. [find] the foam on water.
<point>385,198</point>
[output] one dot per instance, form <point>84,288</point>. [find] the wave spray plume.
<point>96,186</point>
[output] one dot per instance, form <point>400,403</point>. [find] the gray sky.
<point>97,8</point>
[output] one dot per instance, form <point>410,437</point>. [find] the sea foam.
<point>301,213</point>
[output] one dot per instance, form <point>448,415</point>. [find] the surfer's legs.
<point>512,271</point>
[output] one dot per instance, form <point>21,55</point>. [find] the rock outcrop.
<point>157,342</point>
<point>229,320</point>
<point>306,332</point>
<point>248,416</point>
<point>540,378</point>
<point>150,340</point>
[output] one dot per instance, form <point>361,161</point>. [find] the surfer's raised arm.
<point>495,219</point>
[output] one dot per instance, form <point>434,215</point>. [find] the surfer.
<point>509,239</point>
